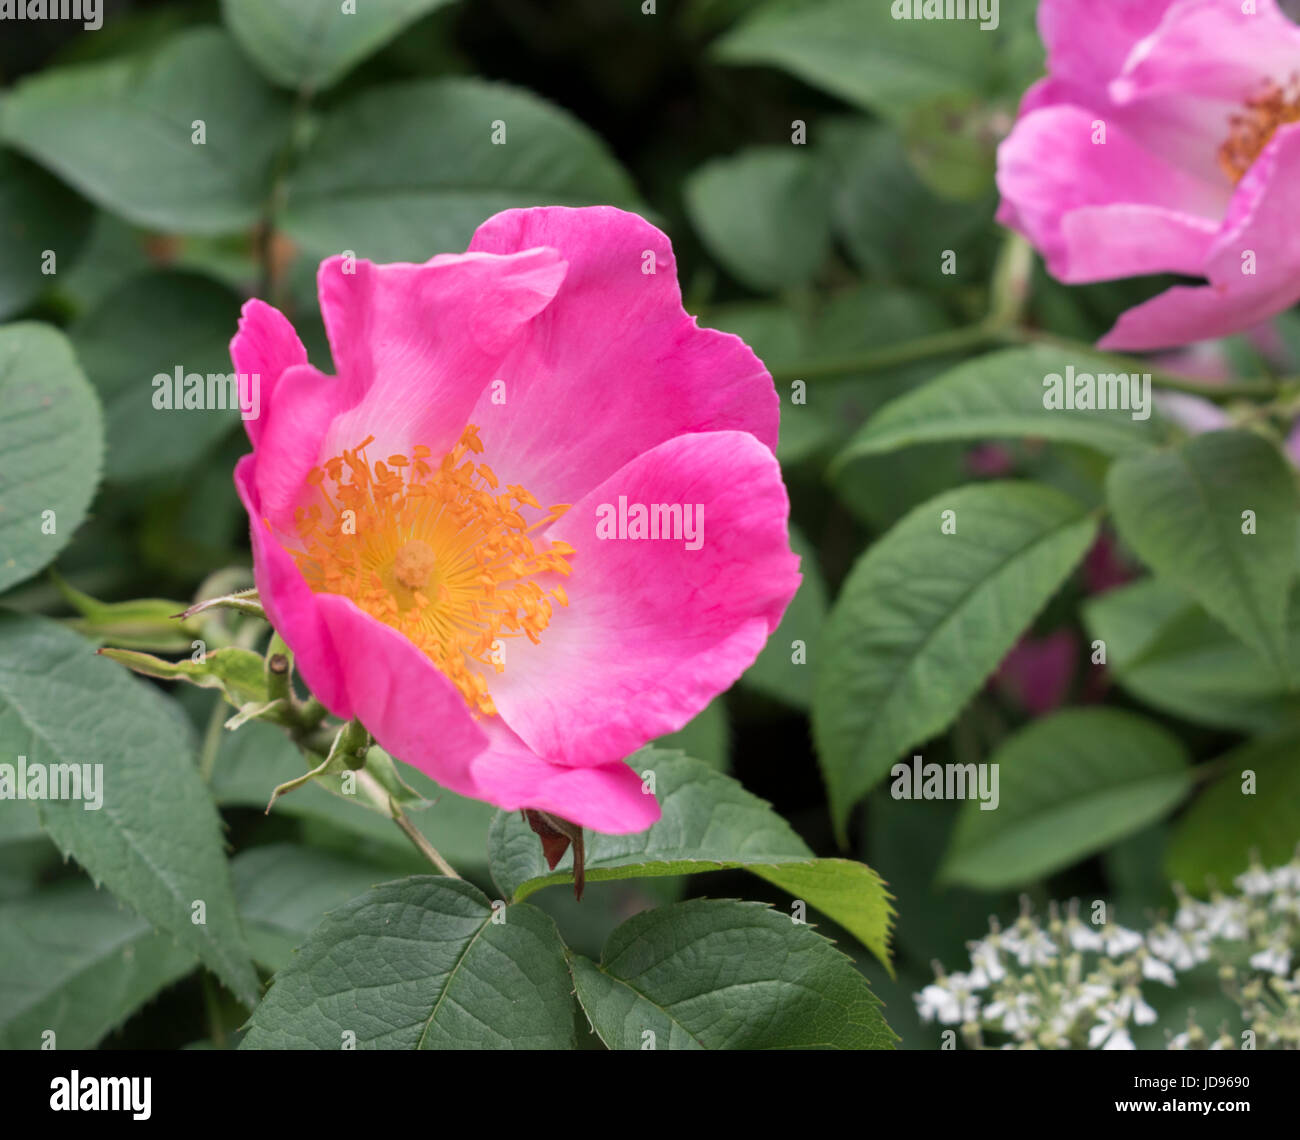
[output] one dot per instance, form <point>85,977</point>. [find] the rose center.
<point>1252,130</point>
<point>439,553</point>
<point>414,563</point>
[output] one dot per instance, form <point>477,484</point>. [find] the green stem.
<point>989,333</point>
<point>212,1007</point>
<point>413,833</point>
<point>269,284</point>
<point>940,344</point>
<point>1217,391</point>
<point>212,739</point>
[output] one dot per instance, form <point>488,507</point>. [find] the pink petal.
<point>613,366</point>
<point>654,631</point>
<point>1262,221</point>
<point>1088,40</point>
<point>607,797</point>
<point>267,346</point>
<point>416,344</point>
<point>294,424</point>
<point>1212,49</point>
<point>410,707</point>
<point>1038,671</point>
<point>413,711</point>
<point>1193,414</point>
<point>1105,242</point>
<point>1104,567</point>
<point>1049,168</point>
<point>1182,85</point>
<point>290,604</point>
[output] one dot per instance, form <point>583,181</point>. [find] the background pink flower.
<point>487,405</point>
<point>1199,170</point>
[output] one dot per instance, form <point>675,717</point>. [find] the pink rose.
<point>1038,671</point>
<point>430,531</point>
<point>1165,139</point>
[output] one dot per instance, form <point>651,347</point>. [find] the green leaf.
<point>1182,513</point>
<point>155,841</point>
<point>285,890</point>
<point>75,962</point>
<point>819,414</point>
<point>776,673</point>
<point>238,673</point>
<point>51,448</point>
<point>709,823</point>
<point>37,213</point>
<point>1168,652</point>
<point>312,44</point>
<point>724,974</point>
<point>707,737</point>
<point>24,863</point>
<point>148,328</point>
<point>763,215</point>
<point>122,133</point>
<point>114,253</point>
<point>405,171</point>
<point>19,820</point>
<point>1000,396</point>
<point>952,149</point>
<point>879,490</point>
<point>924,617</point>
<point>1069,785</point>
<point>860,53</point>
<point>1214,838</point>
<point>894,227</point>
<point>420,964</point>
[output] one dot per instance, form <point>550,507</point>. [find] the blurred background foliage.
<point>812,160</point>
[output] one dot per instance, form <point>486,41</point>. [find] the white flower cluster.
<point>1073,985</point>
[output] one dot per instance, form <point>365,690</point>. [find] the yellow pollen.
<point>1250,132</point>
<point>437,551</point>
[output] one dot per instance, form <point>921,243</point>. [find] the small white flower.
<point>1156,970</point>
<point>950,1001</point>
<point>1143,1014</point>
<point>1276,959</point>
<point>1119,940</point>
<point>1225,918</point>
<point>1081,936</point>
<point>1256,881</point>
<point>1181,949</point>
<point>1112,1021</point>
<point>986,961</point>
<point>1119,1040</point>
<point>1287,877</point>
<point>1031,947</point>
<point>1018,1015</point>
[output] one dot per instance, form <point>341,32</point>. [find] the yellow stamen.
<point>432,551</point>
<point>1252,131</point>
